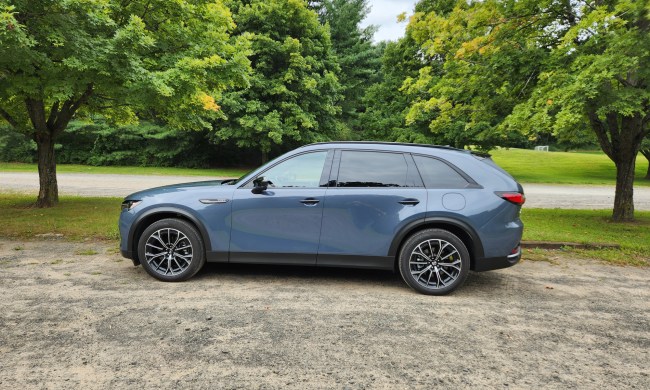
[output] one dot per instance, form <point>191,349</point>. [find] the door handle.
<point>409,202</point>
<point>310,202</point>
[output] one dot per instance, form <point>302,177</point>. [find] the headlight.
<point>129,204</point>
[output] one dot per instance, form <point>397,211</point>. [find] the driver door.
<point>282,224</point>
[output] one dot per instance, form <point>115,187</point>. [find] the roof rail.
<point>446,147</point>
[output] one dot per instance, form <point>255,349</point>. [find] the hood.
<point>176,188</point>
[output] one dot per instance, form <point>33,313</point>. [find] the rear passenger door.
<point>370,197</point>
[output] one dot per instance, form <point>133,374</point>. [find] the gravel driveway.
<point>537,195</point>
<point>76,315</point>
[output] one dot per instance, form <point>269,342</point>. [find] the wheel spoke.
<point>418,251</point>
<point>444,258</point>
<point>420,272</point>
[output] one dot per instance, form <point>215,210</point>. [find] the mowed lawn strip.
<point>75,217</point>
<point>162,171</point>
<point>527,166</point>
<point>592,226</point>
<point>78,218</point>
<point>595,168</point>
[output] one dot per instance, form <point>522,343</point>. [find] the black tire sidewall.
<point>429,234</point>
<point>198,251</point>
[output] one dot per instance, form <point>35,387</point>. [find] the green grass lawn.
<point>80,218</point>
<point>165,171</point>
<point>527,166</point>
<point>592,226</point>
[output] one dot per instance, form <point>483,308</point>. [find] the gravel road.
<point>76,315</point>
<point>537,195</point>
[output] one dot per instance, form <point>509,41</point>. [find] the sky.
<point>383,14</point>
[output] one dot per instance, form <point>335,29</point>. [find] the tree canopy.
<point>167,60</point>
<point>501,67</point>
<point>294,91</point>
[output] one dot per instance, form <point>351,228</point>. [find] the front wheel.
<point>434,262</point>
<point>171,250</point>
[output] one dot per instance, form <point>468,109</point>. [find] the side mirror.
<point>260,185</point>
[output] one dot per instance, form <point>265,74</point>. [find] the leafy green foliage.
<point>164,60</point>
<point>499,67</point>
<point>171,59</point>
<point>358,58</point>
<point>294,91</point>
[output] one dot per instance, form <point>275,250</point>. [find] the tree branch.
<point>601,133</point>
<point>69,108</point>
<point>54,112</point>
<point>8,118</point>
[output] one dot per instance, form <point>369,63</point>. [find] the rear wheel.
<point>171,250</point>
<point>434,262</point>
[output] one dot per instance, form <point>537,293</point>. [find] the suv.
<point>431,212</point>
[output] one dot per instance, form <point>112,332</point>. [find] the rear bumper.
<point>491,263</point>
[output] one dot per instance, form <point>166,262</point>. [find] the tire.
<point>431,275</point>
<point>171,250</point>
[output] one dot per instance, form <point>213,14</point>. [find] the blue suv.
<point>431,212</point>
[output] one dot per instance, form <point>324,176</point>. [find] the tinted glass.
<point>301,171</point>
<point>372,169</point>
<point>437,174</point>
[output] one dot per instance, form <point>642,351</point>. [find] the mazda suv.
<point>433,213</point>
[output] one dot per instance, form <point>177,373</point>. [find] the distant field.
<point>527,166</point>
<point>164,171</point>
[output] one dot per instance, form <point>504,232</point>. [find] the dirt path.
<point>76,315</point>
<point>538,195</point>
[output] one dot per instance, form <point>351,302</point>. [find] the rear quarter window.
<point>438,174</point>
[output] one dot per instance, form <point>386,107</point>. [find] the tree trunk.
<point>265,156</point>
<point>620,138</point>
<point>624,197</point>
<point>48,194</point>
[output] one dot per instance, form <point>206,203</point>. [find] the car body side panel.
<point>363,221</point>
<point>276,222</point>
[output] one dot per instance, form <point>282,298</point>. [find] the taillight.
<point>513,197</point>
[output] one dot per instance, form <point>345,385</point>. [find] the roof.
<point>444,147</point>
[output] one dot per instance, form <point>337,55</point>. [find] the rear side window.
<point>437,174</point>
<point>372,169</point>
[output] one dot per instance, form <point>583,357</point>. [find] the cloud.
<point>383,14</point>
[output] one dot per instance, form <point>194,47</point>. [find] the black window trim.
<point>471,183</point>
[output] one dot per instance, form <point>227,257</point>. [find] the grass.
<point>164,171</point>
<point>79,218</point>
<point>529,166</point>
<point>76,218</point>
<point>592,226</point>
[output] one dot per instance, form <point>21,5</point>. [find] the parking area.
<point>78,315</point>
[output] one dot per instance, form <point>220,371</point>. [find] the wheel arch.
<point>157,214</point>
<point>462,230</point>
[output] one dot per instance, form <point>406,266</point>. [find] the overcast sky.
<point>383,13</point>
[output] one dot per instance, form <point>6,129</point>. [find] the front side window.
<point>303,171</point>
<point>437,174</point>
<point>372,169</point>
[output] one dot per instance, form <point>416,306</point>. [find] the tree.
<point>165,60</point>
<point>294,91</point>
<point>467,87</point>
<point>522,66</point>
<point>358,58</point>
